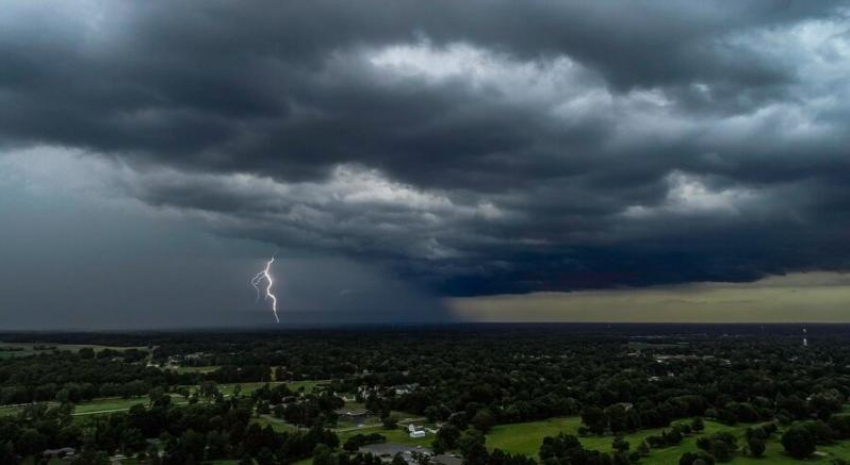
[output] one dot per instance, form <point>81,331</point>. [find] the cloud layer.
<point>472,147</point>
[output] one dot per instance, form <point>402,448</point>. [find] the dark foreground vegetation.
<point>461,382</point>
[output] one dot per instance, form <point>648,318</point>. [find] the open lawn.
<point>205,369</point>
<point>248,388</point>
<point>308,386</point>
<point>108,405</point>
<point>116,404</point>
<point>526,438</point>
<point>16,353</point>
<point>9,410</point>
<point>277,424</point>
<point>399,435</point>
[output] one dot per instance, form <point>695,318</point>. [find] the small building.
<point>415,433</point>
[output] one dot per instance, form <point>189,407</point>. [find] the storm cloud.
<point>470,147</point>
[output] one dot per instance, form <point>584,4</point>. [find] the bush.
<point>721,445</point>
<point>696,458</point>
<point>356,442</point>
<point>390,421</point>
<point>722,452</point>
<point>672,438</point>
<point>620,444</point>
<point>798,442</point>
<point>697,424</point>
<point>756,446</point>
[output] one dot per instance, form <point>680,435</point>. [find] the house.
<point>415,432</point>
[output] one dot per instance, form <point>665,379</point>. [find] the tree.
<point>696,458</point>
<point>90,456</point>
<point>471,444</point>
<point>153,454</point>
<point>697,424</point>
<point>208,389</point>
<point>827,402</point>
<point>483,420</point>
<point>217,444</point>
<point>672,438</point>
<point>617,418</point>
<point>798,442</point>
<point>594,419</point>
<point>63,396</point>
<point>822,432</point>
<point>722,451</point>
<point>31,441</point>
<point>562,446</point>
<point>757,446</point>
<point>193,444</point>
<point>390,421</point>
<point>446,438</point>
<point>7,455</point>
<point>322,455</point>
<point>620,444</point>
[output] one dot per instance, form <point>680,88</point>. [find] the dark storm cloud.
<point>478,147</point>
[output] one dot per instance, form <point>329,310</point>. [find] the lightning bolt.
<point>256,281</point>
<point>266,276</point>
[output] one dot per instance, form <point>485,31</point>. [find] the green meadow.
<point>526,438</point>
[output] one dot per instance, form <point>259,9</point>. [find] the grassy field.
<point>16,353</point>
<point>206,369</point>
<point>9,410</point>
<point>398,435</point>
<point>526,438</point>
<point>29,348</point>
<point>308,386</point>
<point>248,388</point>
<point>108,405</point>
<point>111,405</point>
<point>278,425</point>
<point>96,406</point>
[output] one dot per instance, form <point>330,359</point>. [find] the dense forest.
<point>465,381</point>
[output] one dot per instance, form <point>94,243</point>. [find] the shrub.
<point>798,442</point>
<point>756,446</point>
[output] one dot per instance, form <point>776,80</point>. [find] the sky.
<point>419,161</point>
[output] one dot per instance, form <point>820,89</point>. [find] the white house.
<point>415,433</point>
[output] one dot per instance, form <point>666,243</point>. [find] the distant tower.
<point>805,341</point>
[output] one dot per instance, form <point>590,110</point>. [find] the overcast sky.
<point>422,161</point>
